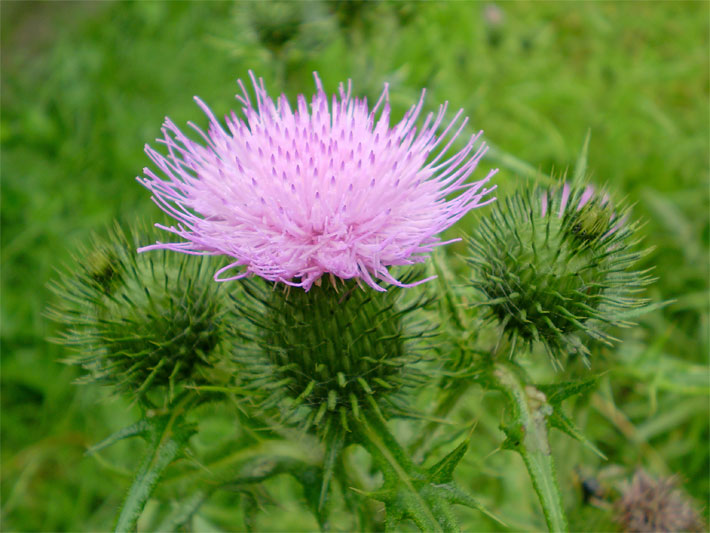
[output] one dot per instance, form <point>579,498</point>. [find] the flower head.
<point>649,505</point>
<point>555,266</point>
<point>139,322</point>
<point>331,351</point>
<point>328,188</point>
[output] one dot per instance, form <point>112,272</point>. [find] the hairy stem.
<point>527,435</point>
<point>166,441</point>
<point>403,496</point>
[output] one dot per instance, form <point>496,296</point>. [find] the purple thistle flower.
<point>292,195</point>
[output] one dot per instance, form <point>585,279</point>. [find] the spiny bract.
<point>551,266</point>
<point>140,321</point>
<point>329,349</point>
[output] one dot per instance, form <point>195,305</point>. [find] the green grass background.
<point>85,85</point>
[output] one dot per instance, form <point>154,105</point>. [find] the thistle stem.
<point>396,465</point>
<point>528,436</point>
<point>166,441</point>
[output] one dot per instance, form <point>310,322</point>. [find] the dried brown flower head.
<point>650,505</point>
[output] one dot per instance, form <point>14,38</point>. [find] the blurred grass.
<point>85,85</point>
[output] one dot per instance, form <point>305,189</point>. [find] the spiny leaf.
<point>558,392</point>
<point>459,497</point>
<point>443,471</point>
<point>310,477</point>
<point>560,421</point>
<point>139,428</point>
<point>410,491</point>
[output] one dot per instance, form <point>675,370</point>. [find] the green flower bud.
<point>275,24</point>
<point>591,221</point>
<point>331,350</point>
<point>140,321</point>
<point>555,267</point>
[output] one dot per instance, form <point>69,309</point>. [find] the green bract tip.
<point>140,322</point>
<point>554,266</point>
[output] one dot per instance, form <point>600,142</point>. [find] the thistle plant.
<point>313,320</point>
<point>327,359</point>
<point>553,268</point>
<point>151,328</point>
<point>331,190</point>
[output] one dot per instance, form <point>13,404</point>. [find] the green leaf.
<point>560,421</point>
<point>556,393</point>
<point>410,491</point>
<point>310,477</point>
<point>334,441</point>
<point>139,428</point>
<point>580,167</point>
<point>443,471</point>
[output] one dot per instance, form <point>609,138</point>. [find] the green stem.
<point>398,469</point>
<point>166,441</point>
<point>528,436</point>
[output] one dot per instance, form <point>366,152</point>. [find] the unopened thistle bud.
<point>555,266</point>
<point>650,505</point>
<point>329,352</point>
<point>140,322</point>
<point>275,23</point>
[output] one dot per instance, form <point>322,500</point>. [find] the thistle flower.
<point>650,505</point>
<point>555,266</point>
<point>330,350</point>
<point>293,195</point>
<point>139,322</point>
